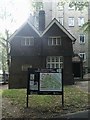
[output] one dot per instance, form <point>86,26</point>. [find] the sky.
<point>20,11</point>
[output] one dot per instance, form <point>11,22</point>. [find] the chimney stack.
<point>41,20</point>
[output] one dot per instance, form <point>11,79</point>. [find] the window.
<point>83,56</point>
<point>82,39</point>
<point>25,67</point>
<point>71,21</point>
<point>54,62</point>
<point>27,41</point>
<point>80,21</point>
<point>60,19</point>
<point>54,41</point>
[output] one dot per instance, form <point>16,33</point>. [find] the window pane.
<point>57,65</point>
<point>55,62</point>
<point>57,59</point>
<point>83,56</point>
<point>53,66</point>
<point>71,21</point>
<point>48,59</point>
<point>82,39</point>
<point>80,21</point>
<point>61,65</point>
<point>52,59</point>
<point>54,41</point>
<point>61,59</point>
<point>26,41</point>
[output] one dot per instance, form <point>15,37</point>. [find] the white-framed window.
<point>25,67</point>
<point>83,55</point>
<point>53,41</point>
<point>54,62</point>
<point>81,39</point>
<point>27,41</point>
<point>80,21</point>
<point>71,21</point>
<point>60,19</point>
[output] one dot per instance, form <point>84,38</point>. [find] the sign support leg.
<point>27,101</point>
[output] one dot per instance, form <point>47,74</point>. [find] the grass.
<point>74,100</point>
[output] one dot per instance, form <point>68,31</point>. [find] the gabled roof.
<point>18,30</point>
<point>47,28</point>
<point>61,27</point>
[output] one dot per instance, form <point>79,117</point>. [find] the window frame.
<point>54,61</point>
<point>27,40</point>
<point>80,40</point>
<point>54,38</point>
<point>80,21</point>
<point>24,67</point>
<point>71,21</point>
<point>81,55</point>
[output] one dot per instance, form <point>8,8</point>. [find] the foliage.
<point>86,26</point>
<point>79,4</point>
<point>37,5</point>
<point>5,50</point>
<point>6,17</point>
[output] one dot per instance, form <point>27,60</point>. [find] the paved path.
<point>83,85</point>
<point>3,86</point>
<point>87,76</point>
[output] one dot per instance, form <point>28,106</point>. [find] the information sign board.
<point>50,82</point>
<point>45,82</point>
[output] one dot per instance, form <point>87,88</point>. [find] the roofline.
<point>31,25</point>
<point>46,29</point>
<point>12,36</point>
<point>27,22</point>
<point>61,27</point>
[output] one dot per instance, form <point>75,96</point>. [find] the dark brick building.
<point>49,47</point>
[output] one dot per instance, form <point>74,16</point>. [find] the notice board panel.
<point>50,82</point>
<point>45,82</point>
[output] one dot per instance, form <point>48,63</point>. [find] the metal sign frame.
<point>34,75</point>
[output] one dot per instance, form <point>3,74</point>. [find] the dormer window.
<point>53,41</point>
<point>27,41</point>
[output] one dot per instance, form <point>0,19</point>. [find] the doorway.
<point>77,69</point>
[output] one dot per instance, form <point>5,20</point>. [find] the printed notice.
<point>50,82</point>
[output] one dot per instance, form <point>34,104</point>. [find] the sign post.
<point>45,82</point>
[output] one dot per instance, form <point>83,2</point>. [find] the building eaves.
<point>34,28</point>
<point>18,30</point>
<point>61,27</point>
<point>46,29</point>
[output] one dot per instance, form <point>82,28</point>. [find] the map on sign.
<point>50,82</point>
